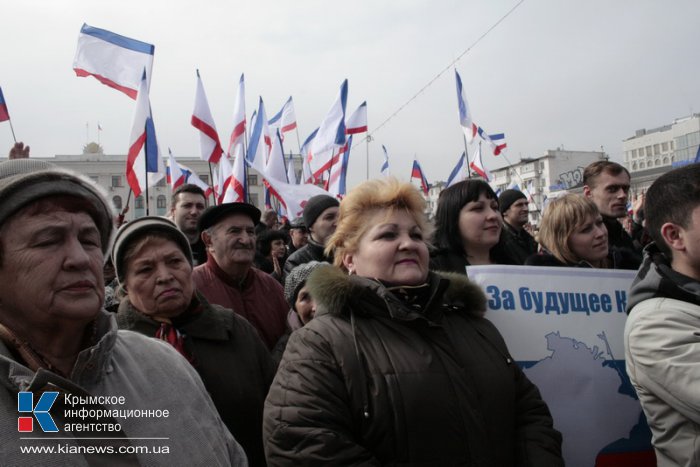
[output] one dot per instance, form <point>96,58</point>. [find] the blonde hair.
<point>560,220</point>
<point>363,202</point>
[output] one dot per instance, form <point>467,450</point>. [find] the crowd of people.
<point>350,336</point>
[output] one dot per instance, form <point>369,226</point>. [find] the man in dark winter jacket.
<point>516,240</point>
<point>321,219</point>
<point>662,332</point>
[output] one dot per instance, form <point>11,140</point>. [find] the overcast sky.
<point>577,75</point>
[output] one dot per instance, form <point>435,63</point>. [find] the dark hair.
<point>672,198</point>
<point>265,239</point>
<point>593,171</point>
<point>450,203</point>
<point>186,188</point>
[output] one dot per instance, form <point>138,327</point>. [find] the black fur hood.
<point>334,291</point>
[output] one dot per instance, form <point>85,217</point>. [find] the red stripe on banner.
<point>205,128</point>
<point>334,160</point>
<point>354,131</point>
<point>237,132</point>
<point>274,193</point>
<point>4,114</point>
<point>239,190</point>
<point>128,91</point>
<point>478,170</point>
<point>499,147</point>
<point>289,127</point>
<point>626,459</point>
<point>134,151</point>
<point>224,187</point>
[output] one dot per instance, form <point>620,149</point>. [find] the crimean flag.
<point>285,119</point>
<point>497,141</point>
<point>478,166</point>
<point>174,174</point>
<point>203,121</point>
<point>417,173</point>
<point>331,132</point>
<point>357,122</point>
<point>4,114</point>
<point>235,145</point>
<point>460,171</point>
<point>465,116</point>
<point>114,60</point>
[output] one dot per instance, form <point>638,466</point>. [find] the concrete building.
<point>665,146</point>
<point>109,172</point>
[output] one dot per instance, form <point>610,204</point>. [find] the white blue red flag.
<point>294,197</point>
<point>417,173</point>
<point>339,171</point>
<point>174,174</point>
<point>478,166</point>
<point>357,122</point>
<point>202,120</point>
<point>260,142</point>
<point>144,165</point>
<point>285,119</point>
<point>460,172</point>
<point>114,60</point>
<point>235,145</point>
<point>192,177</point>
<point>497,141</point>
<point>275,167</point>
<point>331,132</point>
<point>465,116</point>
<point>4,114</point>
<point>305,151</point>
<point>385,165</point>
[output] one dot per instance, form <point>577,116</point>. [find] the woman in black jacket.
<point>398,366</point>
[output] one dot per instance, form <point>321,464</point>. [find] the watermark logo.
<point>25,404</point>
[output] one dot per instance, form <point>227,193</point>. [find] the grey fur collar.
<point>333,289</point>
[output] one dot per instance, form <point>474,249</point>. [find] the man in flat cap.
<point>229,279</point>
<point>321,219</point>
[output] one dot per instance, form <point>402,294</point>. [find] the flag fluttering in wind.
<point>385,165</point>
<point>173,172</point>
<point>144,165</point>
<point>497,141</point>
<point>260,142</point>
<point>478,166</point>
<point>275,167</point>
<point>294,197</point>
<point>202,120</point>
<point>235,146</point>
<point>460,172</point>
<point>465,117</point>
<point>305,150</point>
<point>339,171</point>
<point>112,59</point>
<point>226,194</point>
<point>238,181</point>
<point>285,119</point>
<point>4,114</point>
<point>357,122</point>
<point>417,173</point>
<point>331,132</point>
<point>192,177</point>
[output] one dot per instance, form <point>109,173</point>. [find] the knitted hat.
<point>25,181</point>
<point>315,206</point>
<point>139,228</point>
<point>509,197</point>
<point>213,214</point>
<point>297,278</point>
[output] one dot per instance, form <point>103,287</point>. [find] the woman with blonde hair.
<point>399,366</point>
<point>572,233</point>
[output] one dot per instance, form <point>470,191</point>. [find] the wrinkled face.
<point>610,194</point>
<point>305,306</point>
<point>516,214</point>
<point>589,242</point>
<point>232,241</point>
<point>278,248</point>
<point>300,237</point>
<point>480,223</point>
<point>187,211</point>
<point>158,279</point>
<point>391,250</point>
<point>325,225</point>
<point>51,273</point>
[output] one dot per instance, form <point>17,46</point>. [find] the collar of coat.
<point>335,292</point>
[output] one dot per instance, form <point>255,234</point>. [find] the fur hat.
<point>315,206</point>
<point>297,278</point>
<point>509,197</point>
<point>139,228</point>
<point>25,181</point>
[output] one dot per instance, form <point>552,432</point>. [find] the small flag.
<point>238,180</point>
<point>173,172</point>
<point>226,193</point>
<point>235,146</point>
<point>385,165</point>
<point>478,166</point>
<point>460,171</point>
<point>357,122</point>
<point>260,142</point>
<point>465,117</point>
<point>331,132</point>
<point>497,142</point>
<point>417,172</point>
<point>4,114</point>
<point>285,119</point>
<point>203,121</point>
<point>114,60</point>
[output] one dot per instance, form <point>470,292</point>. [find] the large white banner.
<point>565,328</point>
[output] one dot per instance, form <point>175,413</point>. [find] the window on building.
<point>634,166</point>
<point>117,201</point>
<point>657,150</point>
<point>693,139</point>
<point>95,179</point>
<point>116,181</point>
<point>160,201</point>
<point>641,165</point>
<point>138,202</point>
<point>664,147</point>
<point>650,152</point>
<point>657,163</point>
<point>252,180</point>
<point>665,161</point>
<point>671,145</point>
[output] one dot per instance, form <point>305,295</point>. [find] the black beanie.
<point>509,197</point>
<point>315,207</point>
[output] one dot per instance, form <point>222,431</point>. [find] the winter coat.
<point>662,350</point>
<point>372,380</point>
<point>518,243</point>
<point>149,375</point>
<point>312,251</point>
<point>233,362</point>
<point>621,243</point>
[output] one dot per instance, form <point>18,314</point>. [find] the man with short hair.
<point>517,241</point>
<point>298,235</point>
<point>229,279</point>
<point>269,220</point>
<point>186,206</point>
<point>607,184</point>
<point>321,219</point>
<point>662,332</point>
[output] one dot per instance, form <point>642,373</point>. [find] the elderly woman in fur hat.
<point>399,365</point>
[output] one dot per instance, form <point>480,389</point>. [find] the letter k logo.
<point>25,403</point>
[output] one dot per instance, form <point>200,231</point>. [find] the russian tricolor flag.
<point>417,172</point>
<point>4,114</point>
<point>114,60</point>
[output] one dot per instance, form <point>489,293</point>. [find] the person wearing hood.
<point>662,332</point>
<point>399,365</point>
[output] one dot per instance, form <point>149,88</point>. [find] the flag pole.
<point>145,166</point>
<point>466,154</point>
<point>12,130</point>
<point>211,178</point>
<point>368,138</point>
